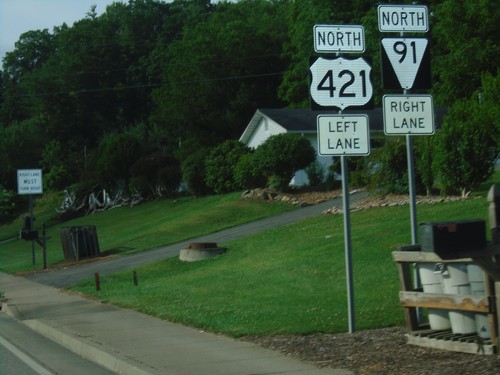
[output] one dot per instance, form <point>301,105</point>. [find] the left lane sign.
<point>339,38</point>
<point>342,135</point>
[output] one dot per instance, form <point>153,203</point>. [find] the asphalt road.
<point>72,275</point>
<point>25,352</point>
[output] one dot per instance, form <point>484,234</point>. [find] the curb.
<point>78,345</point>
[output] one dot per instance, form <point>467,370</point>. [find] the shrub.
<point>193,173</point>
<point>158,174</point>
<point>315,173</point>
<point>280,156</point>
<point>220,166</point>
<point>7,205</point>
<point>247,173</point>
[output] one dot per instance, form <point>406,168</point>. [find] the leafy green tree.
<point>210,93</point>
<point>281,155</point>
<point>116,153</point>
<point>466,37</point>
<point>20,147</point>
<point>466,149</point>
<point>220,166</point>
<point>20,69</point>
<point>301,18</point>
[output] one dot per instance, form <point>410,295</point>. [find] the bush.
<point>388,168</point>
<point>280,156</point>
<point>220,166</point>
<point>193,173</point>
<point>158,174</point>
<point>247,173</point>
<point>466,149</point>
<point>7,205</point>
<point>315,173</point>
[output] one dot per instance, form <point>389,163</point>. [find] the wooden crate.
<point>412,299</point>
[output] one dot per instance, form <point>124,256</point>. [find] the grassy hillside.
<point>286,280</point>
<point>150,225</point>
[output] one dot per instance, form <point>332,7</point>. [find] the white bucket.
<point>456,281</point>
<point>476,280</point>
<point>430,277</point>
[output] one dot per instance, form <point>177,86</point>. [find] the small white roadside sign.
<point>339,38</point>
<point>29,181</point>
<point>408,114</point>
<point>343,135</point>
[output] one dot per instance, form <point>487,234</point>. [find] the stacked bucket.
<point>456,278</point>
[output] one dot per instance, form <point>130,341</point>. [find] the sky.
<point>19,16</point>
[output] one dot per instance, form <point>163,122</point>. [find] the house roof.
<point>305,120</point>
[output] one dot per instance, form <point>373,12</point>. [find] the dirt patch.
<point>378,352</point>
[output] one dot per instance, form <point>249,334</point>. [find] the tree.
<point>466,149</point>
<point>110,164</point>
<point>281,155</point>
<point>466,36</point>
<point>210,93</point>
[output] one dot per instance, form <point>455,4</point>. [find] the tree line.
<point>138,97</point>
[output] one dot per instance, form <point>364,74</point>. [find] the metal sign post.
<point>343,135</point>
<point>341,83</point>
<point>29,182</point>
<point>347,245</point>
<point>406,64</point>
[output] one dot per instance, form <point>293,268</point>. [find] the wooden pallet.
<point>447,340</point>
<point>412,300</point>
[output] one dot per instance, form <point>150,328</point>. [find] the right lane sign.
<point>408,114</point>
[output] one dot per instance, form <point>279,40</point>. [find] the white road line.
<point>25,358</point>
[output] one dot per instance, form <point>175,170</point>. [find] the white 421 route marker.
<point>340,82</point>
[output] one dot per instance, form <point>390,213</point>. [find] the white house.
<point>268,122</point>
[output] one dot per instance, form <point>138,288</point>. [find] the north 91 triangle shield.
<point>405,64</point>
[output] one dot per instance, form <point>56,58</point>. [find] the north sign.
<point>334,38</point>
<point>408,114</point>
<point>340,83</point>
<point>343,135</point>
<point>29,181</point>
<point>403,18</point>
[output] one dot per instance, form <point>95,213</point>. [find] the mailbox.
<point>453,239</point>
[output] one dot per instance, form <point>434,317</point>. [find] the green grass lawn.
<point>150,225</point>
<point>285,280</point>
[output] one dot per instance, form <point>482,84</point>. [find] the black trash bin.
<point>79,242</point>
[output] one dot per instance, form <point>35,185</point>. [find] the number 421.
<point>326,84</point>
